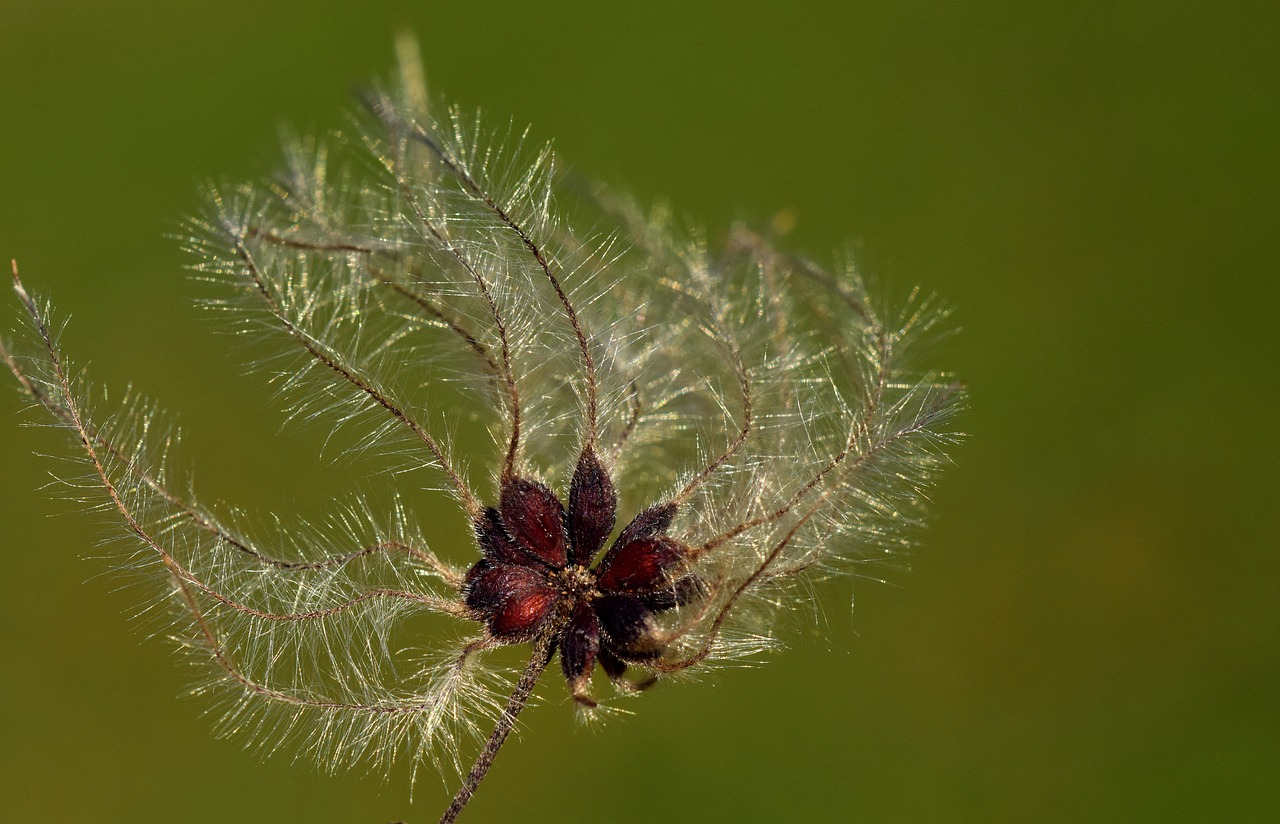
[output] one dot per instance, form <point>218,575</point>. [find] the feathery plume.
<point>682,436</point>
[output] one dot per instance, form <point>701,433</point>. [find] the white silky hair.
<point>422,274</point>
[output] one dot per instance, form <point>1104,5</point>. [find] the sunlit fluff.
<point>732,420</point>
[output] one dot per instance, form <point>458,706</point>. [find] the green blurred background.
<point>1090,631</point>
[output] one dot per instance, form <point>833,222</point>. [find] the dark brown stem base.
<point>516,703</point>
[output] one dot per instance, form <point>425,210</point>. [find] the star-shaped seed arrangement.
<point>725,423</point>
<point>536,576</point>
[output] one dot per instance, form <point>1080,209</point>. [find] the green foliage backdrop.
<point>1090,631</point>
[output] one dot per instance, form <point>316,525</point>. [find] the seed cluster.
<point>537,577</point>
<point>764,417</point>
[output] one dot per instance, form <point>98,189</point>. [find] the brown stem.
<point>513,448</point>
<point>458,170</point>
<point>184,589</point>
<point>467,497</point>
<point>203,519</point>
<point>519,697</point>
<point>399,288</point>
<point>705,650</point>
<point>632,422</point>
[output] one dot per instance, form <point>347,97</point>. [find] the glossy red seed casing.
<point>535,575</point>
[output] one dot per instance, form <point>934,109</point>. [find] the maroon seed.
<point>655,520</point>
<point>593,506</point>
<point>611,664</point>
<point>682,592</point>
<point>490,587</point>
<point>520,616</point>
<point>533,516</point>
<point>495,544</point>
<point>640,566</point>
<point>630,627</point>
<point>581,642</point>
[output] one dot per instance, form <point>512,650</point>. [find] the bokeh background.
<point>1090,631</point>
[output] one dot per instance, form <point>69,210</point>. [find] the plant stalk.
<point>506,723</point>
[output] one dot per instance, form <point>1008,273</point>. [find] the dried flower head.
<point>749,419</point>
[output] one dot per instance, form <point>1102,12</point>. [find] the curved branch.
<point>927,416</point>
<point>428,602</point>
<point>383,109</point>
<point>469,500</point>
<point>439,314</point>
<point>632,422</point>
<point>705,649</point>
<point>722,334</point>
<point>203,519</point>
<point>744,430</point>
<point>857,432</point>
<point>486,292</point>
<point>506,723</point>
<point>757,245</point>
<point>399,288</point>
<point>916,425</point>
<point>206,631</point>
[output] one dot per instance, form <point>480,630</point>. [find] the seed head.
<point>682,434</point>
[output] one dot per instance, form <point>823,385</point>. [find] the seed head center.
<point>577,581</point>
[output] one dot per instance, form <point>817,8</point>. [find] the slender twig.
<point>705,649</point>
<point>486,292</point>
<point>633,421</point>
<point>469,500</point>
<point>506,723</point>
<point>307,245</point>
<point>439,314</point>
<point>539,255</point>
<point>746,239</point>
<point>427,601</point>
<point>701,276</point>
<point>924,419</point>
<point>203,519</point>
<point>918,424</point>
<point>183,587</point>
<point>422,302</point>
<point>856,433</point>
<point>748,415</point>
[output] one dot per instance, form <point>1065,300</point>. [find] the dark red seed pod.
<point>640,566</point>
<point>611,664</point>
<point>593,507</point>
<point>519,618</point>
<point>655,520</point>
<point>495,544</point>
<point>684,591</point>
<point>581,642</point>
<point>534,517</point>
<point>514,600</point>
<point>629,626</point>
<point>477,590</point>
